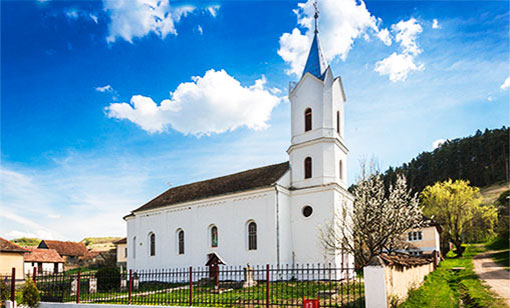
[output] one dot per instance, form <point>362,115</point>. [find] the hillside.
<point>491,193</point>
<point>482,159</point>
<point>100,243</point>
<point>27,241</point>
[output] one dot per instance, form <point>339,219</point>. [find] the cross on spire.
<point>316,16</point>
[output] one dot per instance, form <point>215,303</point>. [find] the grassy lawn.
<point>446,287</point>
<point>501,257</point>
<point>282,293</point>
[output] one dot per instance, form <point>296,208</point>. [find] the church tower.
<point>318,158</point>
<point>318,155</point>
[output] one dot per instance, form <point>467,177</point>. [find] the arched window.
<point>214,236</point>
<point>308,167</point>
<point>338,122</point>
<point>152,244</point>
<point>308,119</point>
<point>340,170</point>
<point>252,236</point>
<point>134,247</point>
<point>180,239</point>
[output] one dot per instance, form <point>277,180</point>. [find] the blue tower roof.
<point>316,63</point>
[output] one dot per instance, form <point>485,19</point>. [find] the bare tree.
<point>377,219</point>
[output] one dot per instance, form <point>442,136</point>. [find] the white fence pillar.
<point>375,285</point>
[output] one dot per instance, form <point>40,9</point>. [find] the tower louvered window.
<point>308,167</point>
<point>308,119</point>
<point>181,242</point>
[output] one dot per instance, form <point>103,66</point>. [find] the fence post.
<point>34,275</point>
<point>191,286</point>
<point>78,288</point>
<point>267,285</point>
<point>13,284</point>
<point>130,285</point>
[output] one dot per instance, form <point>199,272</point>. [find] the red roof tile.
<point>43,255</point>
<point>71,249</point>
<point>8,246</point>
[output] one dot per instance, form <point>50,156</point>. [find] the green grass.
<point>445,288</point>
<point>282,293</point>
<point>501,257</point>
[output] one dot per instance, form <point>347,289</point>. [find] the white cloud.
<point>94,18</point>
<point>138,18</point>
<point>72,14</point>
<point>436,144</point>
<point>435,24</point>
<point>200,30</point>
<point>108,89</point>
<point>398,65</point>
<point>214,103</point>
<point>506,84</point>
<point>341,22</point>
<point>385,36</point>
<point>490,98</point>
<point>213,10</point>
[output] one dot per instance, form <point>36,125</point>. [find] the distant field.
<point>100,243</point>
<point>491,193</point>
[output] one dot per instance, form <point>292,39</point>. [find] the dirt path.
<point>495,275</point>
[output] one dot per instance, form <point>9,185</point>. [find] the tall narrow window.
<point>308,119</point>
<point>252,236</point>
<point>152,246</point>
<point>308,167</point>
<point>214,236</point>
<point>134,247</point>
<point>338,122</point>
<point>181,241</point>
<point>340,170</point>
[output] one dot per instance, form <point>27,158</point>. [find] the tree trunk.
<point>459,249</point>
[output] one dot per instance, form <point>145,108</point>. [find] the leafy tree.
<point>30,295</point>
<point>376,220</point>
<point>458,208</point>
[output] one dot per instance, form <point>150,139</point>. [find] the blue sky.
<point>106,103</point>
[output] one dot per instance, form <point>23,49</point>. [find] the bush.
<point>30,294</point>
<point>4,291</point>
<point>108,278</point>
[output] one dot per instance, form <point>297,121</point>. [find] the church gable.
<point>242,181</point>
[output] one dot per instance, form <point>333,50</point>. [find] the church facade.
<point>267,215</point>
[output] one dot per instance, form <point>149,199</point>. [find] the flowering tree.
<point>377,219</point>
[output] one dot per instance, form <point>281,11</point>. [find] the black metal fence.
<point>257,286</point>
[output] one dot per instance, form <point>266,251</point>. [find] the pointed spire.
<point>316,63</point>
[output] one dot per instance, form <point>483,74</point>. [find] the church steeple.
<point>316,63</point>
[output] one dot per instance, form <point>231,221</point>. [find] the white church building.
<point>267,215</point>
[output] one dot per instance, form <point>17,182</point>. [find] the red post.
<point>13,284</point>
<point>34,276</point>
<point>267,285</point>
<point>130,285</point>
<point>78,289</point>
<point>191,286</point>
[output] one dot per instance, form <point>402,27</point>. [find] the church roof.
<point>316,63</point>
<point>237,182</point>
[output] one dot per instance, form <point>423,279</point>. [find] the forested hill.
<point>482,159</point>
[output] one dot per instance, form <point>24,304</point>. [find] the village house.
<point>70,251</point>
<point>424,240</point>
<point>11,256</point>
<point>265,215</point>
<point>44,260</point>
<point>121,252</point>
